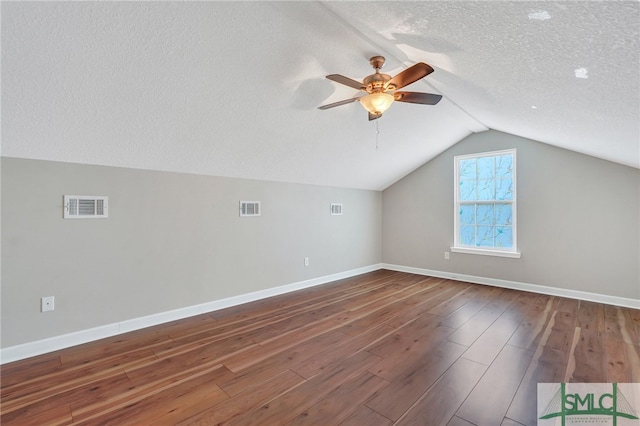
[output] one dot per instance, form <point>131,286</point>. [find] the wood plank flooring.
<point>382,348</point>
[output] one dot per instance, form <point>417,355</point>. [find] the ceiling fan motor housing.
<point>376,82</point>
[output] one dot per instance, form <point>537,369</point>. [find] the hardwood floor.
<point>378,349</point>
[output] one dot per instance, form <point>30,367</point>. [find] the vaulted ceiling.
<point>232,88</point>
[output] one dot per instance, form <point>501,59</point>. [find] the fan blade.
<point>374,116</point>
<point>346,81</point>
<point>408,76</point>
<point>335,104</point>
<point>417,98</point>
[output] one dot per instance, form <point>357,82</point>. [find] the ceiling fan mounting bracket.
<point>377,62</point>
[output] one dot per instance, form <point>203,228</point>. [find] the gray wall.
<point>171,241</point>
<point>578,219</point>
<point>175,240</point>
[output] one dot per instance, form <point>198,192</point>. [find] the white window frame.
<point>488,251</point>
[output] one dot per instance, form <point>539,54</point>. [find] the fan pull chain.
<point>377,133</point>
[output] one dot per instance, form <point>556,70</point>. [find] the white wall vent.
<point>85,207</point>
<point>249,208</point>
<point>336,209</point>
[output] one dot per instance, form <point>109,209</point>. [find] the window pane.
<point>486,189</point>
<point>504,166</point>
<point>484,215</point>
<point>484,236</point>
<point>504,237</point>
<point>503,213</point>
<point>468,190</point>
<point>486,167</point>
<point>504,189</point>
<point>468,214</point>
<point>468,235</point>
<point>468,169</point>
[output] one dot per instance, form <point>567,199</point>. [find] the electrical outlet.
<point>306,261</point>
<point>446,255</point>
<point>47,304</point>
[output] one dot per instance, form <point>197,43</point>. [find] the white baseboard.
<point>515,285</point>
<point>26,350</point>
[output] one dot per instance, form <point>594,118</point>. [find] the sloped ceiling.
<point>232,88</point>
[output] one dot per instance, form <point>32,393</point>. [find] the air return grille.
<point>249,208</point>
<point>85,207</point>
<point>336,209</point>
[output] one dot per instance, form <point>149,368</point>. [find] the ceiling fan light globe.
<point>377,103</point>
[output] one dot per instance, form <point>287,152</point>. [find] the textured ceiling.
<point>232,88</point>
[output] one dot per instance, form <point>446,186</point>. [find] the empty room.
<point>332,213</point>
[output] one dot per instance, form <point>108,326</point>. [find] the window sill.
<point>486,252</point>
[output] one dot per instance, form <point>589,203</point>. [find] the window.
<point>485,204</point>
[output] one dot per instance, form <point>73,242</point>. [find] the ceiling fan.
<point>381,88</point>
